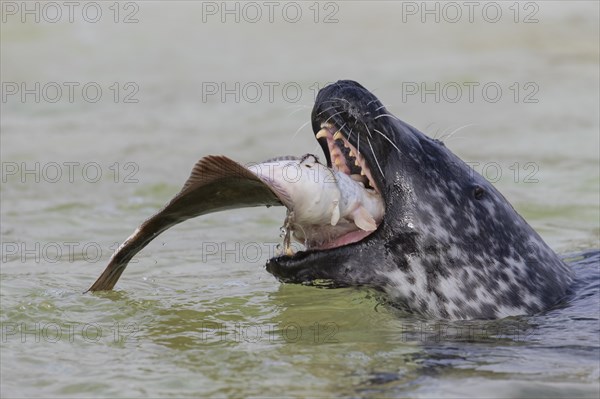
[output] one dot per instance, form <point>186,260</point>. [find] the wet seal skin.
<point>449,245</point>
<point>406,217</point>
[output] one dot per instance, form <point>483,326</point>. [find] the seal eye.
<point>478,192</point>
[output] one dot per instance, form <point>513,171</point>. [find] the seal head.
<point>449,245</point>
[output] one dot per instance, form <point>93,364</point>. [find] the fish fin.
<point>363,219</point>
<point>278,190</point>
<point>335,216</point>
<point>216,183</point>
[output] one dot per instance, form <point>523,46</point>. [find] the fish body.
<point>323,204</point>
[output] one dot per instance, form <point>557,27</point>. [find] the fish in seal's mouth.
<point>361,204</point>
<point>326,207</point>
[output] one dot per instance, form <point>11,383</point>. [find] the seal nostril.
<point>478,192</point>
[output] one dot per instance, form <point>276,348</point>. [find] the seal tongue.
<point>346,239</point>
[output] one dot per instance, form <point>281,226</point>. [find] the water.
<point>196,314</point>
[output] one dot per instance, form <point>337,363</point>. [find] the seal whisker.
<point>375,157</point>
<point>455,131</point>
<point>388,115</point>
<point>298,108</point>
<point>350,134</point>
<point>335,100</point>
<point>341,99</point>
<point>337,113</point>
<point>326,110</point>
<point>300,128</point>
<point>388,139</point>
<point>386,106</point>
<point>428,130</point>
<point>373,151</point>
<point>368,131</point>
<point>330,101</point>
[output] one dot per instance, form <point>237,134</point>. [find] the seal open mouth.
<point>356,133</point>
<point>362,205</point>
<point>343,156</point>
<point>356,143</point>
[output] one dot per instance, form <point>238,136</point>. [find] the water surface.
<point>196,314</point>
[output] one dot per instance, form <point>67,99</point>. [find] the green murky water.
<point>196,314</point>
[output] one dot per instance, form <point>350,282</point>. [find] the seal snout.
<point>347,125</point>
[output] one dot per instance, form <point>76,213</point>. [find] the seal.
<point>449,244</point>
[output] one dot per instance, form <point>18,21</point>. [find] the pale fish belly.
<point>326,208</point>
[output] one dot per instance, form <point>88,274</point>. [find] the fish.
<point>323,204</point>
<point>325,207</point>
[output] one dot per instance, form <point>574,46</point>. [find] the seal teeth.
<point>322,133</point>
<point>338,136</point>
<point>359,178</point>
